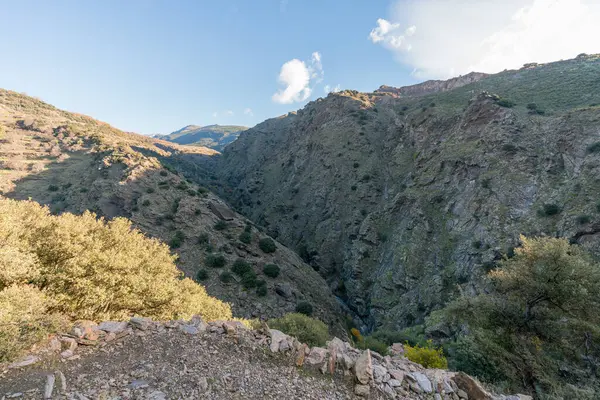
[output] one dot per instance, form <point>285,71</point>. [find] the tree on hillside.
<point>541,314</point>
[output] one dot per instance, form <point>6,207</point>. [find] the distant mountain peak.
<point>213,136</point>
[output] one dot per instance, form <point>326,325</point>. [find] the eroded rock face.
<point>396,201</point>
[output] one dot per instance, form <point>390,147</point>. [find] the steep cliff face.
<point>401,202</point>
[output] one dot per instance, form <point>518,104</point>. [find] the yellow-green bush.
<point>428,356</point>
<point>24,319</point>
<point>305,329</point>
<point>89,268</point>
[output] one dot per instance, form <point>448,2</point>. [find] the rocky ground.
<point>172,364</point>
<point>142,359</point>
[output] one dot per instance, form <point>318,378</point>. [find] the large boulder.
<point>471,387</point>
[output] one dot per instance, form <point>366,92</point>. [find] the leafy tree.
<point>542,310</point>
<point>245,237</point>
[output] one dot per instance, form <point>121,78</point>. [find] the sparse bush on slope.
<point>87,268</point>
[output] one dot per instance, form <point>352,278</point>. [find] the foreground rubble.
<point>144,359</point>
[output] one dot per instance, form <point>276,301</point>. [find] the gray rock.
<point>140,323</point>
<point>157,395</point>
<point>276,338</point>
<point>380,374</point>
<point>113,326</point>
<point>316,356</point>
<point>189,329</point>
<point>422,380</point>
<point>138,384</point>
<point>394,383</point>
<point>284,290</point>
<point>49,387</point>
<point>396,374</point>
<point>24,362</point>
<point>462,394</point>
<point>362,390</point>
<point>363,368</point>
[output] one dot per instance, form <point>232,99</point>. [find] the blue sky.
<point>152,66</point>
<point>155,66</point>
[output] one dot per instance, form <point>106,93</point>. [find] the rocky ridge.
<point>147,359</point>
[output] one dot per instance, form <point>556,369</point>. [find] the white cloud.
<point>215,114</point>
<point>248,111</point>
<point>487,36</point>
<point>329,89</point>
<point>298,79</point>
<point>229,113</point>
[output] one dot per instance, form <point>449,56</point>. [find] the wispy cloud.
<point>298,78</point>
<point>486,36</point>
<point>283,6</point>
<point>215,114</point>
<point>229,113</point>
<point>248,111</point>
<point>226,113</point>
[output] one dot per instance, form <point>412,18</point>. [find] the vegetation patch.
<point>267,245</point>
<point>307,330</point>
<point>271,270</point>
<point>56,268</point>
<point>304,307</point>
<point>215,261</point>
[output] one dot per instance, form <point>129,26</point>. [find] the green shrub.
<point>177,240</point>
<point>215,261</point>
<point>271,270</point>
<point>594,148</point>
<point>249,279</point>
<point>505,103</point>
<point>202,191</point>
<point>203,238</point>
<point>83,190</point>
<point>146,203</point>
<point>305,308</point>
<point>371,343</point>
<point>356,165</point>
<point>245,237</point>
<point>267,245</point>
<point>150,190</point>
<point>248,227</point>
<point>353,187</point>
<point>550,209</point>
<point>182,186</point>
<point>261,290</point>
<point>226,277</point>
<point>583,219</point>
<point>202,275</point>
<point>240,267</point>
<point>191,192</point>
<point>52,188</point>
<point>598,206</point>
<point>428,356</point>
<point>163,173</point>
<point>532,106</point>
<point>220,225</point>
<point>307,330</point>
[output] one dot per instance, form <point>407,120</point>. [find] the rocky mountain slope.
<point>212,136</point>
<point>73,163</point>
<point>402,201</point>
